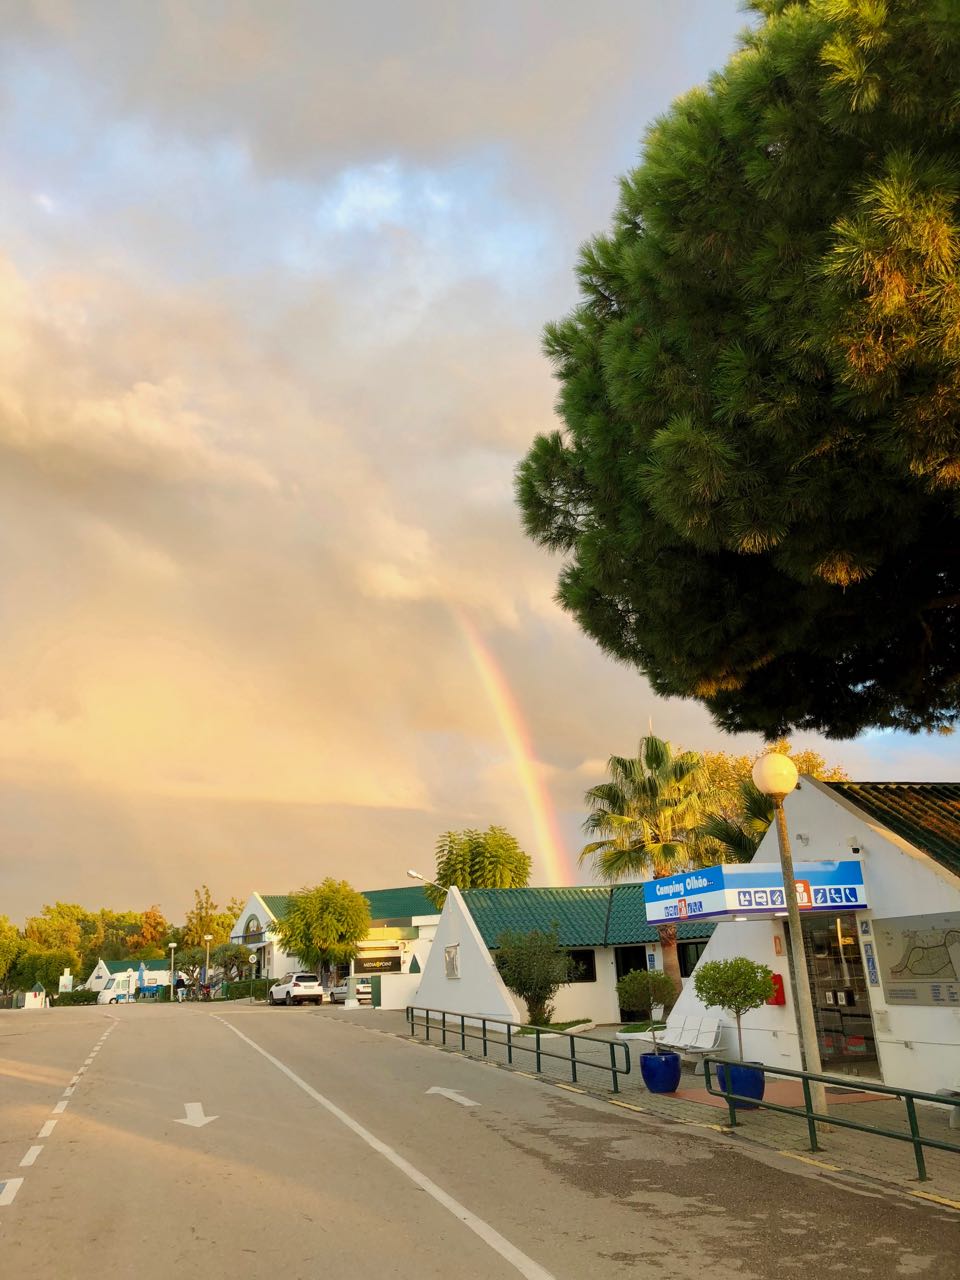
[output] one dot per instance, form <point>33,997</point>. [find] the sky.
<point>273,279</point>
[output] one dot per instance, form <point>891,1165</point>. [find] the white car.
<point>339,994</point>
<point>296,988</point>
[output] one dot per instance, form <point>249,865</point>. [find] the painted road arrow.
<point>454,1096</point>
<point>195,1117</point>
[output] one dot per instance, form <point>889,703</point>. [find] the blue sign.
<point>754,890</point>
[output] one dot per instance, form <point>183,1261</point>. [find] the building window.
<point>688,953</point>
<point>252,931</point>
<point>451,959</point>
<point>585,959</point>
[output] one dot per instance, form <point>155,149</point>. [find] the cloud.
<point>272,280</point>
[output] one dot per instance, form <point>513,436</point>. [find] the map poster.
<point>919,959</point>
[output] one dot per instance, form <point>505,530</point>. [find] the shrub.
<point>640,989</point>
<point>534,967</point>
<point>241,990</point>
<point>737,985</point>
<point>74,997</point>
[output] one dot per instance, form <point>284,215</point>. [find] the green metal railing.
<point>910,1098</point>
<point>462,1027</point>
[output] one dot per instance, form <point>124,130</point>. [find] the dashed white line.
<point>489,1235</point>
<point>10,1187</point>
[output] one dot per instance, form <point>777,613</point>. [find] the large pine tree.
<point>758,479</point>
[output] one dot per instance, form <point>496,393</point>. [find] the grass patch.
<point>637,1026</point>
<point>555,1026</point>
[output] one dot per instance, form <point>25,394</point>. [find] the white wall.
<point>918,1047</point>
<point>595,1001</point>
<point>479,990</point>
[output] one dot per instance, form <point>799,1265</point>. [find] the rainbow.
<point>514,729</point>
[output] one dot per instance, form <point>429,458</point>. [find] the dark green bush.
<point>241,990</point>
<point>74,997</point>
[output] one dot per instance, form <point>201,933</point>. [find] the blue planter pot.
<point>746,1079</point>
<point>660,1071</point>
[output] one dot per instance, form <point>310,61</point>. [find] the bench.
<point>952,1095</point>
<point>691,1037</point>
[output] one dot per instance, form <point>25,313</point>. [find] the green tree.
<point>757,486</point>
<point>231,960</point>
<point>640,990</point>
<point>490,859</point>
<point>737,985</point>
<point>648,820</point>
<point>10,944</point>
<point>35,963</point>
<point>739,814</point>
<point>324,924</point>
<point>206,917</point>
<point>534,966</point>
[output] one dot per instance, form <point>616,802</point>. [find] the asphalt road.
<point>328,1157</point>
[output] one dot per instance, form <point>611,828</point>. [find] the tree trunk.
<point>668,946</point>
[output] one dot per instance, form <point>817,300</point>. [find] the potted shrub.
<point>737,985</point>
<point>642,990</point>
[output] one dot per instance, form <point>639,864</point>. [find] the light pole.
<point>776,776</point>
<point>208,938</point>
<point>415,875</point>
<point>173,947</point>
<point>252,957</point>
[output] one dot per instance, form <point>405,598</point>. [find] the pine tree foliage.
<point>472,859</point>
<point>757,486</point>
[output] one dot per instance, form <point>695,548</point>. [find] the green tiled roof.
<point>385,904</point>
<point>121,966</point>
<point>399,904</point>
<point>592,916</point>
<point>926,814</point>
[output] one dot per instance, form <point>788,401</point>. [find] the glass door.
<point>841,1003</point>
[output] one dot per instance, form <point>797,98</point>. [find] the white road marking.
<point>30,1158</point>
<point>195,1117</point>
<point>9,1189</point>
<point>60,1108</point>
<point>87,1061</point>
<point>47,1129</point>
<point>454,1096</point>
<point>76,1078</point>
<point>68,1090</point>
<point>500,1244</point>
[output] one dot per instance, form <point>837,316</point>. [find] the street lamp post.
<point>173,947</point>
<point>776,776</point>
<point>252,957</point>
<point>208,938</point>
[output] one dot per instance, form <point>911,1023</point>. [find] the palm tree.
<point>648,818</point>
<point>739,835</point>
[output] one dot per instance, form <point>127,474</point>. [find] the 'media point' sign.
<point>755,890</point>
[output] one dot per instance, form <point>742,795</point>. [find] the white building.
<point>393,954</point>
<point>604,928</point>
<point>885,979</point>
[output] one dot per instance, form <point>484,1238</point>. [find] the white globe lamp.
<point>775,774</point>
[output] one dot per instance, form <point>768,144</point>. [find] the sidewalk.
<point>865,1155</point>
